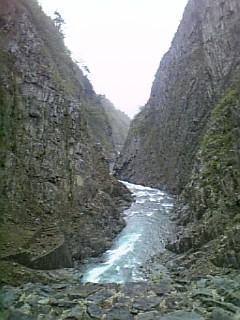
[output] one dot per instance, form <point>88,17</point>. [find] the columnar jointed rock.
<point>212,214</point>
<point>202,62</point>
<point>187,137</point>
<point>57,199</point>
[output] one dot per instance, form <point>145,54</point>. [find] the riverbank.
<point>147,231</point>
<point>212,296</point>
<point>190,289</point>
<point>176,286</point>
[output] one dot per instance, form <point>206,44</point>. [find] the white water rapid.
<point>148,227</point>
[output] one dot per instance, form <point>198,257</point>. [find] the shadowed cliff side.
<point>57,200</point>
<point>108,125</point>
<point>209,204</point>
<point>202,62</point>
<point>119,122</point>
<point>186,139</point>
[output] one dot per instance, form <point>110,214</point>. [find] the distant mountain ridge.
<point>108,125</point>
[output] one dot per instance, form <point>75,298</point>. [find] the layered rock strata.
<point>201,64</point>
<point>57,200</point>
<point>186,139</point>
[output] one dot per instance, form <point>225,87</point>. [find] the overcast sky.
<point>121,42</point>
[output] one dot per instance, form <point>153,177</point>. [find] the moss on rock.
<point>214,188</point>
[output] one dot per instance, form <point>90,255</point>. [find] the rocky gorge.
<point>52,165</point>
<point>186,139</point>
<point>59,204</point>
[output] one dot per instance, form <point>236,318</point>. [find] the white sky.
<point>121,42</point>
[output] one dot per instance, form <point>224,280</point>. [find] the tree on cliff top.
<point>58,21</point>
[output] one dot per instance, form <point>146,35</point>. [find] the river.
<point>148,226</point>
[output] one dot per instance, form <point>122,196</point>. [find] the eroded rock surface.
<point>209,298</point>
<point>186,139</point>
<point>202,63</point>
<point>57,199</point>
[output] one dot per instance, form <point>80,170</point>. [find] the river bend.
<point>148,226</point>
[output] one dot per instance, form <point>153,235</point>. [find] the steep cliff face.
<point>108,125</point>
<point>57,199</point>
<point>202,62</point>
<point>209,204</point>
<point>119,122</point>
<point>186,139</point>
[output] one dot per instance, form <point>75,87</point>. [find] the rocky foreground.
<point>183,294</point>
<point>177,286</point>
<point>192,289</point>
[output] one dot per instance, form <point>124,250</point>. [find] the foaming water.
<point>147,229</point>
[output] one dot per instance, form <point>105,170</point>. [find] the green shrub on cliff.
<point>213,192</point>
<point>220,175</point>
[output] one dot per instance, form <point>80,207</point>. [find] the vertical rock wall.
<point>56,194</point>
<point>186,139</point>
<point>202,62</point>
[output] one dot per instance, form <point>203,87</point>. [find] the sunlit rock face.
<point>202,62</point>
<point>186,139</point>
<point>56,196</point>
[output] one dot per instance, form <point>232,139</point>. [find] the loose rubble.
<point>212,297</point>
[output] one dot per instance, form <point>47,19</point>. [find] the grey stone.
<point>66,304</point>
<point>95,311</point>
<point>135,289</point>
<point>75,313</point>
<point>59,286</point>
<point>119,313</point>
<point>101,295</point>
<point>16,315</point>
<point>234,298</point>
<point>8,297</point>
<point>163,287</point>
<point>151,315</point>
<point>180,315</point>
<point>83,291</point>
<point>146,303</point>
<point>220,314</point>
<point>34,299</point>
<point>44,301</point>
